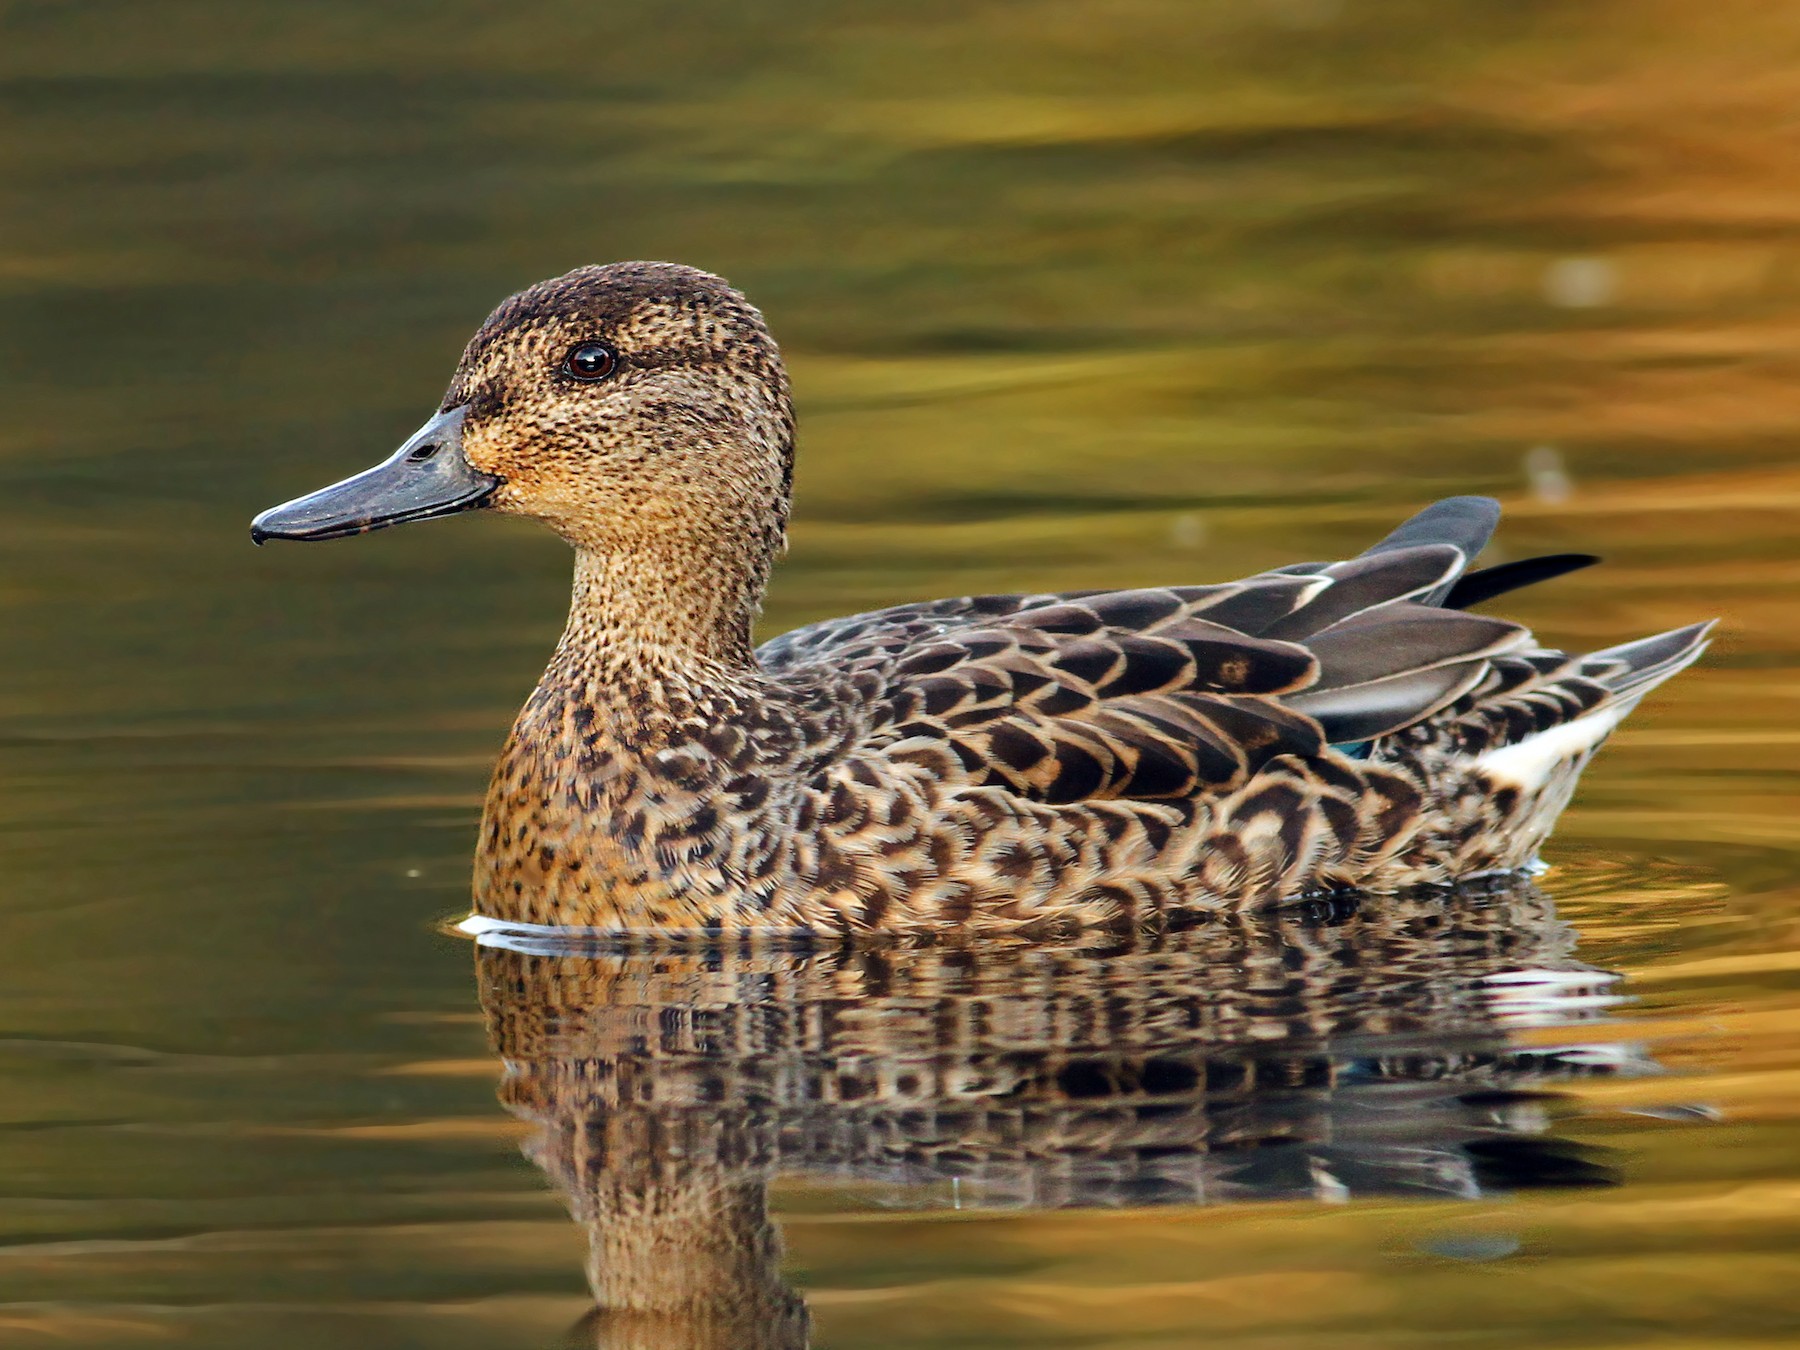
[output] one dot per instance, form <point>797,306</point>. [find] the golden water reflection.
<point>1339,1050</point>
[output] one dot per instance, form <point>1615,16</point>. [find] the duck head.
<point>634,407</point>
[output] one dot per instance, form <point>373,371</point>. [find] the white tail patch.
<point>1529,763</point>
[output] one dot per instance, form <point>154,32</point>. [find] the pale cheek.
<point>482,453</point>
<point>521,454</point>
<point>511,500</point>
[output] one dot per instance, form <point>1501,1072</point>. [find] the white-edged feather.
<point>1530,763</point>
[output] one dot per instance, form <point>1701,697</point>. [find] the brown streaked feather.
<point>1059,705</point>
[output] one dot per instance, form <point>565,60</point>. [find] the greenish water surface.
<point>1075,293</point>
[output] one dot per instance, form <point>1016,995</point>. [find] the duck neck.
<point>656,632</point>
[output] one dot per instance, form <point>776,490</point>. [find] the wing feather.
<point>1164,693</point>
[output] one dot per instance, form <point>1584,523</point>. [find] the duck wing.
<point>1073,701</point>
<point>1165,693</point>
<point>891,631</point>
<point>1174,692</point>
<point>1464,523</point>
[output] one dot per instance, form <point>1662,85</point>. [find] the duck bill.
<point>427,477</point>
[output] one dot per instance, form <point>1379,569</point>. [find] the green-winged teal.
<point>989,763</point>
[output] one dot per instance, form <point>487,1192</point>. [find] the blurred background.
<point>1074,292</point>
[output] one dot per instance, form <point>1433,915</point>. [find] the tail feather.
<point>1634,668</point>
<point>1467,522</point>
<point>1523,719</point>
<point>1626,672</point>
<point>1395,650</point>
<point>1475,588</point>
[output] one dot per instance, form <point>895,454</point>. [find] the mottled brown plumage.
<point>993,763</point>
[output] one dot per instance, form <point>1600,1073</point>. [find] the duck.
<point>1024,764</point>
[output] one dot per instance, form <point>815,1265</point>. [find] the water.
<point>1074,294</point>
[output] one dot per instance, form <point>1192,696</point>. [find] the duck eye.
<point>591,361</point>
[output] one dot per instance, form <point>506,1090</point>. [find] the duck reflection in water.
<point>1329,1051</point>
